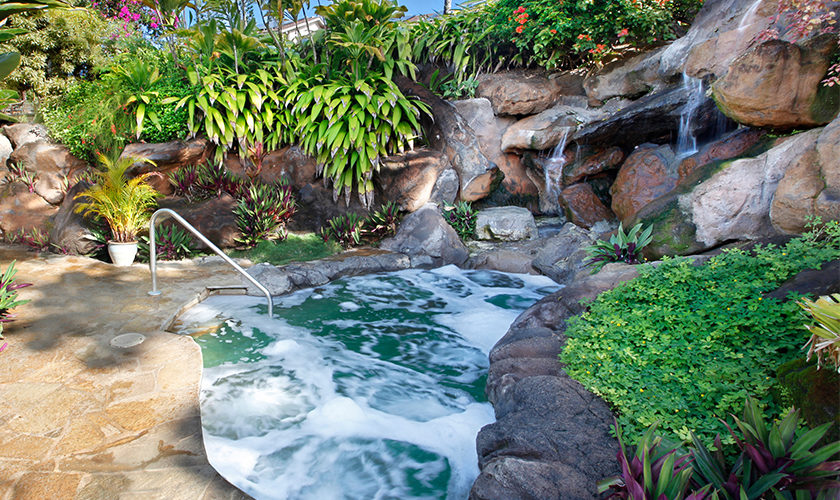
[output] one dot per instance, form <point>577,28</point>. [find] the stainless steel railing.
<point>197,234</point>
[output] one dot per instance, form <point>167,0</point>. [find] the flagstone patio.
<point>82,419</point>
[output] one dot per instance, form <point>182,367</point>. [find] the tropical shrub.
<point>124,204</point>
<point>8,295</point>
<point>621,247</point>
<point>213,179</point>
<point>825,333</point>
<point>349,125</point>
<point>171,243</point>
<point>775,458</point>
<point>56,47</point>
<point>34,238</point>
<point>770,460</point>
<point>185,181</point>
<point>461,217</point>
<point>381,223</point>
<point>19,173</point>
<point>262,212</point>
<point>345,229</point>
<point>683,344</point>
<point>656,469</point>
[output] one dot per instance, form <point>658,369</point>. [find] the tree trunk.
<point>447,6</point>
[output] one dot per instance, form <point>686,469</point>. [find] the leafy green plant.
<point>683,344</point>
<point>620,248</point>
<point>137,78</point>
<point>185,181</point>
<point>774,459</point>
<point>171,243</point>
<point>453,89</point>
<point>825,333</point>
<point>124,203</point>
<point>655,470</point>
<point>348,126</point>
<point>34,238</point>
<point>381,223</point>
<point>19,173</point>
<point>262,213</point>
<point>345,229</point>
<point>213,179</point>
<point>9,294</point>
<point>462,218</point>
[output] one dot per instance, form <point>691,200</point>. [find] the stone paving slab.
<point>82,419</point>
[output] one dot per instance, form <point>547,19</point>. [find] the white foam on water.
<point>303,417</point>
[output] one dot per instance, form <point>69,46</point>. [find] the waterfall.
<point>686,140</point>
<point>749,14</point>
<point>553,169</point>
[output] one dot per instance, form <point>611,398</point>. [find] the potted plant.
<point>124,203</point>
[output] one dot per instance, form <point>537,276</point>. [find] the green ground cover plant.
<point>684,344</point>
<point>462,217</point>
<point>295,248</point>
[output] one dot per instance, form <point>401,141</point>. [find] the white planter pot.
<point>122,254</point>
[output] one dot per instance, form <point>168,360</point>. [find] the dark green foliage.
<point>621,247</point>
<point>345,229</point>
<point>213,179</point>
<point>775,458</point>
<point>461,217</point>
<point>683,344</point>
<point>185,182</point>
<point>262,212</point>
<point>381,223</point>
<point>171,243</point>
<point>816,392</point>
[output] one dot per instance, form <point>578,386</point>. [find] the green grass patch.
<point>296,248</point>
<point>683,345</point>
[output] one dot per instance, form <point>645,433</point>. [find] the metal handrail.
<point>197,234</point>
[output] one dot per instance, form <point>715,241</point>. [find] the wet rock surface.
<point>551,438</point>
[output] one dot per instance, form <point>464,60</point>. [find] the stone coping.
<point>82,419</point>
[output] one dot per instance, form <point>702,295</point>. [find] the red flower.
<point>584,37</point>
<point>553,32</point>
<point>520,10</point>
<point>519,29</point>
<point>113,129</point>
<point>623,32</point>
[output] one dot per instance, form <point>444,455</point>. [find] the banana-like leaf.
<point>9,61</point>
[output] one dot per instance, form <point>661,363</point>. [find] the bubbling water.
<point>369,387</point>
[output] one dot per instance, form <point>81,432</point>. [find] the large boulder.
<point>5,150</point>
<point>591,163</point>
<point>450,134</point>
<point>552,437</point>
<point>489,129</point>
<point>722,201</point>
<point>522,93</point>
<point>505,224</point>
<point>563,255</point>
<point>729,146</point>
<point>22,133</point>
<point>168,156</point>
<point>70,230</point>
<point>583,207</point>
<point>427,239</point>
<point>410,179</point>
<point>811,185</point>
<point>631,78</point>
<point>653,118</point>
<point>735,202</point>
<point>777,85</point>
<point>547,129</point>
<point>213,218</point>
<point>22,210</point>
<point>648,173</point>
<point>288,164</point>
<point>713,46</point>
<point>52,164</point>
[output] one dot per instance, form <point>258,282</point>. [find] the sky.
<point>423,6</point>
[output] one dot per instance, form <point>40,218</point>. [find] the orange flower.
<point>553,32</point>
<point>519,29</point>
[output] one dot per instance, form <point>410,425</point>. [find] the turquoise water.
<point>369,387</point>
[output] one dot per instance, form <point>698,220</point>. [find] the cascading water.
<point>369,387</point>
<point>686,140</point>
<point>553,172</point>
<point>749,15</point>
